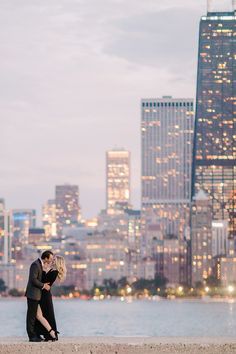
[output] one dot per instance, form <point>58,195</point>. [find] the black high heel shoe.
<point>50,337</point>
<point>56,334</point>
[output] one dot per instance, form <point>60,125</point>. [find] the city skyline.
<point>51,119</point>
<point>182,234</point>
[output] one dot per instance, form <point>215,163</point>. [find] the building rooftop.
<point>222,16</point>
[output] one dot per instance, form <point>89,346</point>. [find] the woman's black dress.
<point>46,304</point>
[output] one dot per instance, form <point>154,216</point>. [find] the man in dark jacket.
<point>34,292</point>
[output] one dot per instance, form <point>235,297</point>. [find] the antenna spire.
<point>209,5</point>
<point>234,5</point>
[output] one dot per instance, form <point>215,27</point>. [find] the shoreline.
<point>204,299</point>
<point>121,345</point>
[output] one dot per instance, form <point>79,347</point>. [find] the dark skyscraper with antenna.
<point>214,156</point>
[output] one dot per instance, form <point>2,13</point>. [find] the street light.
<point>180,289</point>
<point>129,290</point>
<point>230,289</point>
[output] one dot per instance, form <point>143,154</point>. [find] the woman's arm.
<point>52,276</point>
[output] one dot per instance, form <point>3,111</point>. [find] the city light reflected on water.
<point>127,317</point>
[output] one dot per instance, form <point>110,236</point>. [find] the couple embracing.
<point>40,313</point>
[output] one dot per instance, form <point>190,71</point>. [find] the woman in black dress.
<point>45,319</point>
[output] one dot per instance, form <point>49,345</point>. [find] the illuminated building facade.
<point>2,209</point>
<point>105,258</point>
<point>37,236</point>
<point>133,218</point>
<point>67,206</point>
<point>220,244</point>
<point>226,270</point>
<point>2,204</point>
<point>201,238</point>
<point>22,221</point>
<point>49,218</point>
<point>167,133</point>
<point>117,179</point>
<point>214,161</point>
<point>5,235</point>
<point>171,261</point>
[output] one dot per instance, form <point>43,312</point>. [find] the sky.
<point>73,73</point>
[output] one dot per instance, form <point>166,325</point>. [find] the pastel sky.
<point>72,76</point>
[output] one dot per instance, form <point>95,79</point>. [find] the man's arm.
<point>33,276</point>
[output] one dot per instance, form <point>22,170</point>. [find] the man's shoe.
<point>35,339</point>
<point>42,339</point>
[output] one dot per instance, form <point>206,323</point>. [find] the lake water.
<point>129,318</point>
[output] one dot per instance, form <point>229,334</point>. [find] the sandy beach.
<point>115,345</point>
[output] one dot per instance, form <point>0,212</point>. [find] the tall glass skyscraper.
<point>214,156</point>
<point>167,135</point>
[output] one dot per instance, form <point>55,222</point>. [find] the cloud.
<point>154,39</point>
<point>72,76</point>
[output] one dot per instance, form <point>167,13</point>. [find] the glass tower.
<point>167,135</point>
<point>214,154</point>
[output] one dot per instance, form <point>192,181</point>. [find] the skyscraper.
<point>201,238</point>
<point>214,159</point>
<point>22,220</point>
<point>2,204</point>
<point>49,218</point>
<point>5,234</point>
<point>167,134</point>
<point>67,206</point>
<point>117,179</point>
<point>2,229</point>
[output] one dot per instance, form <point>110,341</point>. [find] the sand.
<point>116,345</point>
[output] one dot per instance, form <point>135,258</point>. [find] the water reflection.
<point>129,318</point>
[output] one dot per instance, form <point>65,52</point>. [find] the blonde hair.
<point>60,267</point>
